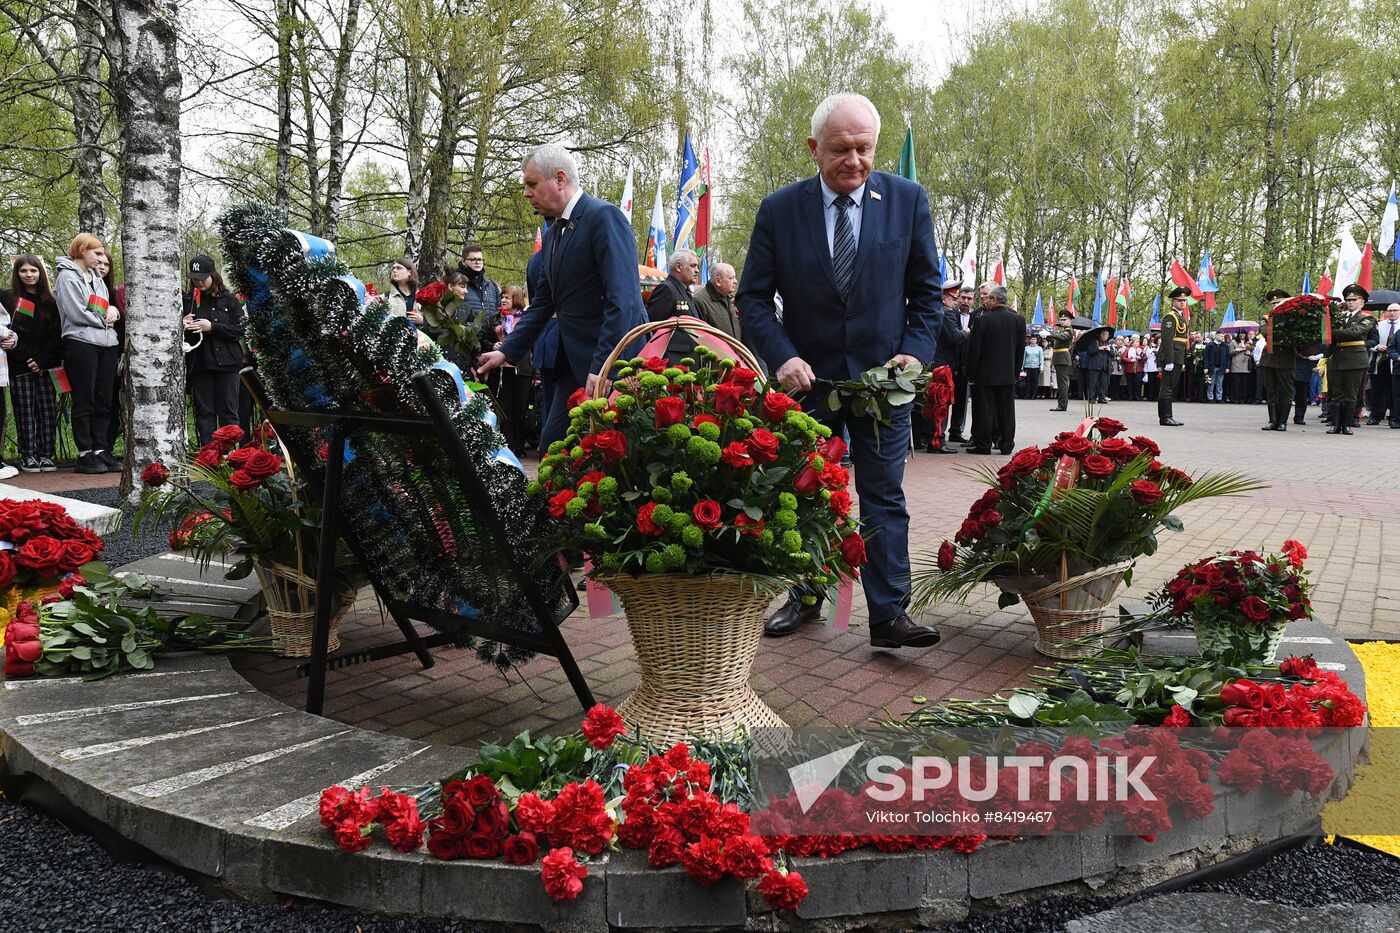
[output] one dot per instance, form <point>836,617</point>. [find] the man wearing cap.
<point>1347,358</point>
<point>1276,367</point>
<point>1171,358</point>
<point>1060,339</point>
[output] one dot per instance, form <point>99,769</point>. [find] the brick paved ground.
<point>1334,493</point>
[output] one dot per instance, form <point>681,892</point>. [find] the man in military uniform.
<point>1346,361</point>
<point>672,297</point>
<point>1276,365</point>
<point>1060,339</point>
<point>1171,358</point>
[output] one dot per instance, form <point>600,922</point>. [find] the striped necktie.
<point>843,247</point>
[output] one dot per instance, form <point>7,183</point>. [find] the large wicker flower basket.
<point>1073,608</point>
<point>291,608</point>
<point>696,638</point>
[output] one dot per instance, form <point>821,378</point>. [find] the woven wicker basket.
<point>291,608</point>
<point>696,638</point>
<point>1074,607</point>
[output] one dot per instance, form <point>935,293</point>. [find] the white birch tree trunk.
<point>146,86</point>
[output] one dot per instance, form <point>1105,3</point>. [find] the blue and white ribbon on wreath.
<point>464,394</point>
<point>313,247</point>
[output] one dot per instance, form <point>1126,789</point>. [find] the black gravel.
<point>124,547</point>
<point>56,880</point>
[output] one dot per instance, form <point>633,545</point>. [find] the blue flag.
<point>1100,299</point>
<point>1307,284</point>
<point>1205,276</point>
<point>1156,310</point>
<point>1229,317</point>
<point>687,198</point>
<point>1039,316</point>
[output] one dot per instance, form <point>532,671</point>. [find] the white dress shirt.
<point>829,213</point>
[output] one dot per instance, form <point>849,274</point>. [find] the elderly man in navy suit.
<point>588,279</point>
<point>852,254</point>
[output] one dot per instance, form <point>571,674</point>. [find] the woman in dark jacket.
<point>34,319</point>
<point>214,354</point>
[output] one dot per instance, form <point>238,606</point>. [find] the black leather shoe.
<point>903,633</point>
<point>945,449</point>
<point>955,438</point>
<point>789,618</point>
<point>1271,426</point>
<point>1058,408</point>
<point>983,451</point>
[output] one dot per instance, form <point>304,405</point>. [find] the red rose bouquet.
<point>1299,322</point>
<point>698,470</point>
<point>1089,499</point>
<point>40,545</point>
<point>438,306</point>
<point>1239,602</point>
<point>239,499</point>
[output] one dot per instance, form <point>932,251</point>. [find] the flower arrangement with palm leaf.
<point>1089,499</point>
<point>239,500</point>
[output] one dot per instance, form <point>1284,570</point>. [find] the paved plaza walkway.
<point>1334,493</point>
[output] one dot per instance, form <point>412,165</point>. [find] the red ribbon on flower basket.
<point>658,343</point>
<point>839,618</point>
<point>1269,334</point>
<point>1327,324</point>
<point>1066,471</point>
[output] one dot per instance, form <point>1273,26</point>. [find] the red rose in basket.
<point>1066,522</point>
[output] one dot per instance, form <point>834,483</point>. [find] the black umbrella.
<point>1090,339</point>
<point>1083,323</point>
<point>1382,298</point>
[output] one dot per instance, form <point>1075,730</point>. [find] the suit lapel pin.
<point>875,196</point>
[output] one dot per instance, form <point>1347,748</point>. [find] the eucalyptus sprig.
<point>878,392</point>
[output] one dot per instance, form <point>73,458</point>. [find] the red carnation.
<point>602,726</point>
<point>533,814</point>
<point>1255,609</point>
<point>783,891</point>
<point>1146,492</point>
<point>835,476</point>
<point>763,446</point>
<point>746,856</point>
<point>655,364</point>
<point>666,847</point>
<point>946,555</point>
<point>559,501</point>
<point>840,502</point>
<point>670,410</point>
<point>704,860</point>
<point>776,405</point>
<point>646,524</point>
<point>1295,551</point>
<point>352,836</point>
<point>853,550</point>
<point>563,875</point>
<point>707,514</point>
<point>155,474</point>
<point>521,849</point>
<point>611,444</point>
<point>1178,718</point>
<point>1097,465</point>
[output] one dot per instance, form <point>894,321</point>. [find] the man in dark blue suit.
<point>588,280</point>
<point>852,254</point>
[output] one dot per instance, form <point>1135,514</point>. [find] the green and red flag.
<point>98,305</point>
<point>24,306</point>
<point>60,380</point>
<point>1073,290</point>
<point>1113,301</point>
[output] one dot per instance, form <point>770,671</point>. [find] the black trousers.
<point>92,371</point>
<point>994,417</point>
<point>1095,383</point>
<point>1302,395</point>
<point>958,417</point>
<point>1031,384</point>
<point>1382,397</point>
<point>215,397</point>
<point>514,399</point>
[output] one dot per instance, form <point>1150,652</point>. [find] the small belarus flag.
<point>98,306</point>
<point>25,306</point>
<point>60,380</point>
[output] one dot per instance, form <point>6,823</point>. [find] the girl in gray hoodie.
<point>90,351</point>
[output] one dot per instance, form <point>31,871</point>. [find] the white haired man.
<point>852,253</point>
<point>589,280</point>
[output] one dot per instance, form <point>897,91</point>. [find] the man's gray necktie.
<point>843,247</point>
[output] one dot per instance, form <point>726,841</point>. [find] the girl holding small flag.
<point>90,349</point>
<point>38,349</point>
